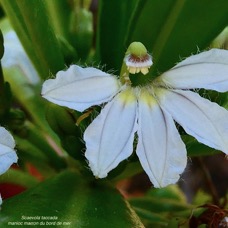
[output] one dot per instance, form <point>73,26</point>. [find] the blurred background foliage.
<point>52,172</point>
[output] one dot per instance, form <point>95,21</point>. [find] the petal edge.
<point>109,138</point>
<point>160,148</point>
<point>79,88</point>
<point>208,70</point>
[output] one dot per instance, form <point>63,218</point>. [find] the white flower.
<point>7,154</point>
<point>150,112</point>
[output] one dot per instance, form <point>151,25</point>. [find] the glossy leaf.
<point>171,192</point>
<point>11,9</point>
<point>59,12</point>
<point>158,204</point>
<point>113,22</point>
<point>72,200</point>
<point>194,148</point>
<point>29,97</point>
<point>29,153</point>
<point>37,137</point>
<point>156,212</point>
<point>38,36</point>
<point>155,218</point>
<point>177,28</point>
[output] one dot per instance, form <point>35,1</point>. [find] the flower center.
<point>136,64</point>
<point>136,61</point>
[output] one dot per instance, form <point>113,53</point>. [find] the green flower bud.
<point>81,30</point>
<point>63,123</point>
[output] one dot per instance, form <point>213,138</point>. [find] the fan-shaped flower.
<point>148,111</point>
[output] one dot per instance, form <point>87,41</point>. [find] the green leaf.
<point>150,217</point>
<point>28,96</point>
<point>157,210</point>
<point>69,198</point>
<point>61,121</point>
<point>31,22</point>
<point>173,223</point>
<point>171,192</point>
<point>159,204</point>
<point>177,28</point>
<point>194,148</point>
<point>38,138</point>
<point>13,12</point>
<point>113,22</point>
<point>59,13</point>
<point>29,153</point>
<point>130,169</point>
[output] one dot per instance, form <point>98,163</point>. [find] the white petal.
<point>0,200</point>
<point>208,70</point>
<point>79,88</point>
<point>160,148</point>
<point>201,118</point>
<point>7,154</point>
<point>109,138</point>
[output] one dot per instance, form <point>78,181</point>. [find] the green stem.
<point>124,75</point>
